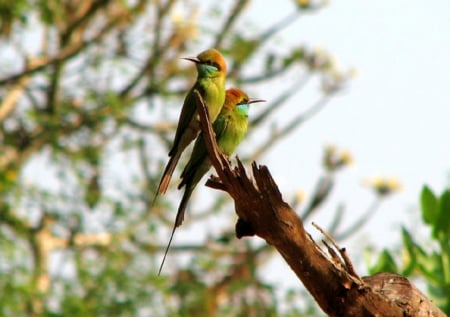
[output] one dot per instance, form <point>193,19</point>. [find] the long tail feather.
<point>166,177</point>
<point>175,154</point>
<point>167,249</point>
<point>182,208</point>
<point>178,221</point>
<point>168,172</point>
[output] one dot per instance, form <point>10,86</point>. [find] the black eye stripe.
<point>209,62</point>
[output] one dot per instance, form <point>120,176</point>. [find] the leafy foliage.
<point>428,259</point>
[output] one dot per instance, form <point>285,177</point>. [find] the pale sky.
<point>394,118</point>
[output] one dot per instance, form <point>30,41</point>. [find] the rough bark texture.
<point>330,278</point>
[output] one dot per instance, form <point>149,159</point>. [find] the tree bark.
<point>329,277</point>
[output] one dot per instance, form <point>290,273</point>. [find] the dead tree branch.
<point>330,279</point>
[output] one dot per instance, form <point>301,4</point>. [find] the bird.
<point>229,128</point>
<point>211,73</point>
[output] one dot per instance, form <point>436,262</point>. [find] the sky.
<point>394,118</point>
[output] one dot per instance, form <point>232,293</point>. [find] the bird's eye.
<point>212,63</point>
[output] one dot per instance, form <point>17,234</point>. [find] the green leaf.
<point>430,205</point>
<point>385,263</point>
<point>411,250</point>
<point>443,217</point>
<point>430,266</point>
<point>93,192</point>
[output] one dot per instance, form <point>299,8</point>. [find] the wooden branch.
<point>36,64</point>
<point>10,100</point>
<point>330,280</point>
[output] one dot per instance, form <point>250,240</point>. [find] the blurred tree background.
<point>90,94</point>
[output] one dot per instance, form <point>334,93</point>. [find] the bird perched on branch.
<point>230,128</point>
<point>211,73</point>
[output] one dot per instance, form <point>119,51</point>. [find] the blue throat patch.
<point>243,107</point>
<point>208,68</point>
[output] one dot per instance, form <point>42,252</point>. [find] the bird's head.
<point>236,98</point>
<point>210,63</point>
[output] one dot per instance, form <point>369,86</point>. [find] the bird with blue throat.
<point>230,128</point>
<point>211,73</point>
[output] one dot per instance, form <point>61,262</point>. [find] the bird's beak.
<point>253,100</point>
<point>192,59</point>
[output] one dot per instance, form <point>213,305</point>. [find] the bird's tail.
<point>167,175</point>
<point>182,207</point>
<point>178,221</point>
<point>175,154</point>
<point>167,248</point>
<point>168,171</point>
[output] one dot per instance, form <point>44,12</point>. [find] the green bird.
<point>230,128</point>
<point>211,70</point>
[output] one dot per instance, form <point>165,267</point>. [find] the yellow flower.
<point>335,159</point>
<point>300,196</point>
<point>308,4</point>
<point>346,157</point>
<point>185,25</point>
<point>319,59</point>
<point>383,186</point>
<point>11,175</point>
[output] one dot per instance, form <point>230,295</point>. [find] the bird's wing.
<point>200,153</point>
<point>220,126</point>
<point>187,113</point>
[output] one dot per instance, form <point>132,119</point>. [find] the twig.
<point>342,251</point>
<point>321,193</point>
<point>10,101</point>
<point>155,55</point>
<point>210,140</point>
<point>36,64</point>
<point>362,220</point>
<point>232,18</point>
<point>292,125</point>
<point>280,101</point>
<point>337,219</point>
